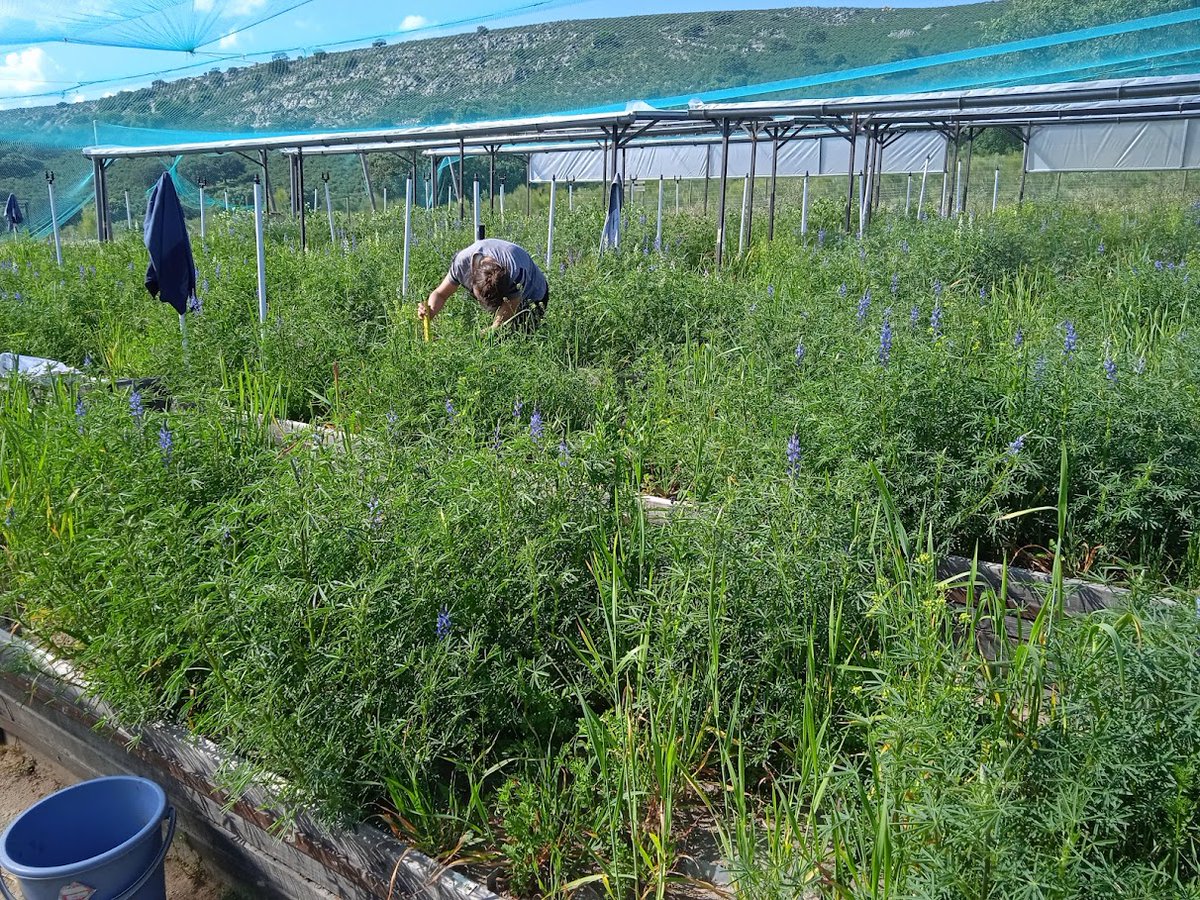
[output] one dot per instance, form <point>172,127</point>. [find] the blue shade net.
<point>498,67</point>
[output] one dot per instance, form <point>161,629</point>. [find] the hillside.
<point>539,68</point>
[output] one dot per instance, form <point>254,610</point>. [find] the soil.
<point>25,780</point>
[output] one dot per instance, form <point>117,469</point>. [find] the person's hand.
<point>423,311</point>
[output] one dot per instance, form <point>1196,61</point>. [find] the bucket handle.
<point>162,855</point>
<point>128,893</point>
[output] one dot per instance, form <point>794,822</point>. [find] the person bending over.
<point>503,277</point>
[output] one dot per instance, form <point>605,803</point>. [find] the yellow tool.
<point>425,322</point>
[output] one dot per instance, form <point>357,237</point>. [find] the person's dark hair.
<point>489,281</point>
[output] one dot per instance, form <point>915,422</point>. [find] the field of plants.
<point>443,609</point>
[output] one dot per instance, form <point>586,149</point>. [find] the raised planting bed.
<point>44,704</point>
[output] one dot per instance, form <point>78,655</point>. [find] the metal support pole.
<point>850,173</point>
<point>742,223</point>
<point>550,224</point>
<point>956,169</point>
<point>1024,166</point>
<point>942,208</point>
<point>571,195</point>
<point>462,170</point>
<point>367,180</point>
<point>129,212</point>
<point>958,179</point>
<point>774,176</point>
<point>492,181</point>
<point>203,217</point>
<point>300,195</point>
<point>921,200</point>
<point>98,191</point>
<point>529,185</point>
<point>996,190</point>
<point>966,191</point>
<point>658,223</point>
<point>753,173</point>
<point>385,197</point>
<point>329,208</point>
<point>408,205</point>
<point>54,217</point>
<point>804,207</point>
<point>266,181</point>
<point>707,171</point>
<point>501,201</point>
<point>475,208</point>
<point>260,251</point>
<point>723,191</point>
<point>676,195</point>
<point>295,198</point>
<point>908,196</point>
<point>227,201</point>
<point>433,188</point>
<point>867,190</point>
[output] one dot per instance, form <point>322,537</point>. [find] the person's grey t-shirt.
<point>525,275</point>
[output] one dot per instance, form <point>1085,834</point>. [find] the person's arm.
<point>506,311</point>
<point>437,298</point>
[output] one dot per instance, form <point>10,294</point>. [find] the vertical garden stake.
<point>261,251</point>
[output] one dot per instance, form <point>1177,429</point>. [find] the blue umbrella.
<point>12,212</point>
<point>611,236</point>
<point>171,275</point>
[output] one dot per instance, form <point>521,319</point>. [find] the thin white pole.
<point>329,214</point>
<point>128,214</point>
<point>867,194</point>
<point>924,179</point>
<point>475,201</point>
<point>385,198</point>
<point>996,190</point>
<point>261,251</point>
<point>408,203</point>
<point>550,234</point>
<point>227,201</point>
<point>958,206</point>
<point>676,195</point>
<point>943,210</point>
<point>314,199</point>
<point>203,220</point>
<point>745,215</point>
<point>54,222</point>
<point>908,196</point>
<point>502,204</point>
<point>804,207</point>
<point>658,224</point>
<point>571,195</point>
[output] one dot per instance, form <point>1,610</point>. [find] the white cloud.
<point>203,6</point>
<point>244,7</point>
<point>23,70</point>
<point>412,23</point>
<point>228,41</point>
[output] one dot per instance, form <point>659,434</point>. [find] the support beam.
<point>268,197</point>
<point>774,176</point>
<point>492,180</point>
<point>724,185</point>
<point>462,167</point>
<point>300,185</point>
<point>750,200</point>
<point>1024,166</point>
<point>966,189</point>
<point>850,174</point>
<point>366,180</point>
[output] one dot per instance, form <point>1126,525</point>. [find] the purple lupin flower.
<point>1070,338</point>
<point>517,407</point>
<point>895,284</point>
<point>770,292</point>
<point>937,288</point>
<point>794,455</point>
<point>195,305</point>
<point>904,246</point>
<point>564,452</point>
<point>1016,446</point>
<point>1110,369</point>
<point>497,439</point>
<point>935,319</point>
<point>800,352</point>
<point>535,426</point>
<point>1139,366</point>
<point>443,623</point>
<point>885,338</point>
<point>863,306</point>
<point>165,443</point>
<point>374,513</point>
<point>80,412</point>
<point>821,237</point>
<point>914,317</point>
<point>136,409</point>
<point>842,290</point>
<point>393,422</point>
<point>450,409</point>
<point>1101,248</point>
<point>1018,339</point>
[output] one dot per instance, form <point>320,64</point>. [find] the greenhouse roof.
<point>1100,100</point>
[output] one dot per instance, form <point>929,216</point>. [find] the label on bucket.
<point>75,891</point>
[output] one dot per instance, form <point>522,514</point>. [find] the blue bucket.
<point>96,840</point>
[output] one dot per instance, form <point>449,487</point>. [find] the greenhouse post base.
<point>51,716</point>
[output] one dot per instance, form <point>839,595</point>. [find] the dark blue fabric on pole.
<point>611,236</point>
<point>171,275</point>
<point>12,212</point>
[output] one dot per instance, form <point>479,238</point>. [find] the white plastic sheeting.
<point>1115,146</point>
<point>816,156</point>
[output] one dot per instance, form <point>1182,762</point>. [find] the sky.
<point>53,71</point>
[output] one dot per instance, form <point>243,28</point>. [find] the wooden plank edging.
<point>46,707</point>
